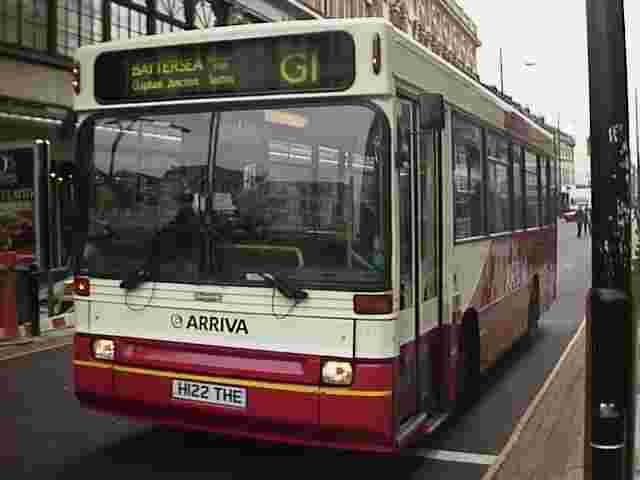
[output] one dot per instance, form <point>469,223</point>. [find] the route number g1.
<point>300,67</point>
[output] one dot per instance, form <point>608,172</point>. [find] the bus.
<point>309,232</point>
<point>580,195</point>
<point>576,196</point>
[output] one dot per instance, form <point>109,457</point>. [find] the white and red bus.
<point>314,232</point>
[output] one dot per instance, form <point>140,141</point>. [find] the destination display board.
<point>290,64</point>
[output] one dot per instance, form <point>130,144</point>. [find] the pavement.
<point>548,442</point>
<point>27,345</point>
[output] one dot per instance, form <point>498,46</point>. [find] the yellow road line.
<point>238,382</point>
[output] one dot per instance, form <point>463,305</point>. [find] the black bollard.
<point>608,381</point>
<point>34,277</point>
<point>608,442</point>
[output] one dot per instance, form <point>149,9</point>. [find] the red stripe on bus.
<point>321,413</point>
<point>240,363</point>
<point>373,376</point>
<point>82,348</point>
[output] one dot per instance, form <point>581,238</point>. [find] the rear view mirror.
<point>431,111</point>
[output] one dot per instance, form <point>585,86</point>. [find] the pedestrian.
<point>580,220</point>
<point>587,220</point>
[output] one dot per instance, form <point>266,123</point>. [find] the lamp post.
<point>530,64</point>
<point>556,136</point>
<point>501,79</point>
<point>637,155</point>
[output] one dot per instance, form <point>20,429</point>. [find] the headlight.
<point>337,373</point>
<point>104,349</point>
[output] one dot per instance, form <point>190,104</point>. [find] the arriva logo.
<point>177,321</point>
<point>204,323</point>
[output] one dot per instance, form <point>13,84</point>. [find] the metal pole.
<point>558,150</point>
<point>637,155</point>
<point>610,334</point>
<point>501,79</point>
<point>34,290</point>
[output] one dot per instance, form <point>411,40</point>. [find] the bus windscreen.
<point>289,64</point>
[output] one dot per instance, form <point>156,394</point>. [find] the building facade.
<point>39,37</point>
<point>440,25</point>
<point>566,146</point>
<point>567,163</point>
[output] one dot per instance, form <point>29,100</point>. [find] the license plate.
<point>210,393</point>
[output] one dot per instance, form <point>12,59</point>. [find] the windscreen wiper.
<point>285,287</point>
<point>135,278</point>
<point>144,273</point>
<point>158,251</point>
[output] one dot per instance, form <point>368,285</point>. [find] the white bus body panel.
<point>324,324</point>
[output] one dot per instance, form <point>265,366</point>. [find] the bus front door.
<point>417,160</point>
<point>428,292</point>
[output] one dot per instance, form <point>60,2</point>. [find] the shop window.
<point>34,24</point>
<point>9,21</point>
<point>172,8</point>
<point>24,23</point>
<point>79,23</point>
<point>127,22</point>
<point>204,17</point>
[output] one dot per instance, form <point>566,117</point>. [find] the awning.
<point>16,109</point>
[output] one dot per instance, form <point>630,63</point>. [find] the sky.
<point>553,34</point>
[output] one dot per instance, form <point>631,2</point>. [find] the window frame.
<point>86,163</point>
<point>59,34</point>
<point>507,162</point>
<point>521,180</point>
<point>528,171</point>
<point>512,141</point>
<point>483,174</point>
<point>547,192</point>
<point>18,20</point>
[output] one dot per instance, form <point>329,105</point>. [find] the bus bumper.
<point>355,418</point>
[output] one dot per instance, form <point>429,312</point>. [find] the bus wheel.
<point>533,322</point>
<point>469,375</point>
